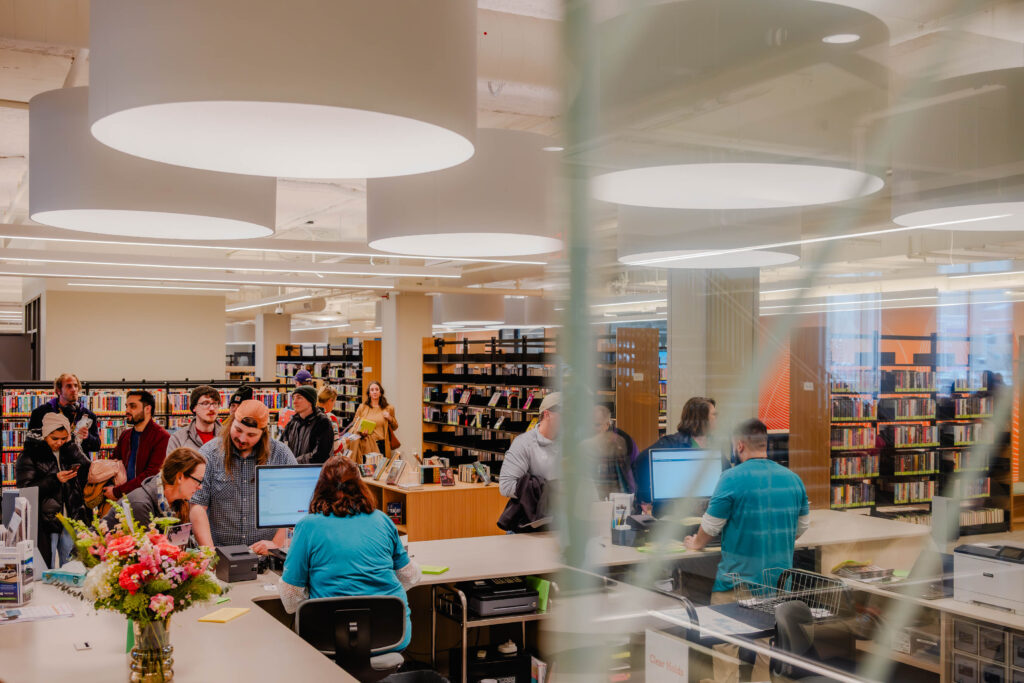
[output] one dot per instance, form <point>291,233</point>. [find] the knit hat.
<point>54,421</point>
<point>307,392</point>
<point>199,392</point>
<point>254,409</point>
<point>104,470</point>
<point>242,393</point>
<point>302,376</point>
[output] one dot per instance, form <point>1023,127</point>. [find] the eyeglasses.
<point>198,481</point>
<point>206,404</point>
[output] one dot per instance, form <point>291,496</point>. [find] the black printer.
<point>493,597</point>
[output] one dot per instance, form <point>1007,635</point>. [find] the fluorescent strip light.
<point>240,343</point>
<point>1001,272</point>
<point>631,303</point>
<point>323,327</point>
<point>813,240</point>
<point>318,252</point>
<point>261,304</point>
<point>896,308</point>
<point>623,321</point>
<point>848,303</point>
<point>328,285</point>
<point>241,269</point>
<point>201,289</point>
<point>780,291</point>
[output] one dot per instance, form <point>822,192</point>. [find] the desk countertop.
<point>254,646</point>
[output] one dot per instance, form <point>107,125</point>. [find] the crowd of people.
<point>204,473</point>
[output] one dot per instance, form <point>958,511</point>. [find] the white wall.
<point>271,329</point>
<point>102,336</point>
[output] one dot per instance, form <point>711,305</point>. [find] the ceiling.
<point>44,45</point>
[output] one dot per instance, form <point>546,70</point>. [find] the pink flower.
<point>129,579</point>
<point>169,550</point>
<point>156,538</point>
<point>162,605</point>
<point>122,545</point>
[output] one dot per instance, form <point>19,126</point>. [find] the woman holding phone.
<point>54,463</point>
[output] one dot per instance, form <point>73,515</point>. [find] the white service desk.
<point>254,647</point>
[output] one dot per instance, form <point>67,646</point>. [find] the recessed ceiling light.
<point>236,105</point>
<point>734,186</point>
<point>841,38</point>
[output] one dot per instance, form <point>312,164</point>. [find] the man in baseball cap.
<point>303,377</point>
<point>222,509</point>
<point>535,452</point>
<point>242,393</point>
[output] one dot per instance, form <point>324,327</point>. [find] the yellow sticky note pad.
<point>432,569</point>
<point>224,614</point>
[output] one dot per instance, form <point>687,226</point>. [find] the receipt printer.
<point>990,574</point>
<point>236,563</point>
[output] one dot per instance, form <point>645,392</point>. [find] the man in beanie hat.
<point>310,433</point>
<point>203,402</point>
<point>223,509</point>
<point>53,462</point>
<point>243,393</point>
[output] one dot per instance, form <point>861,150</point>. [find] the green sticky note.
<point>222,601</point>
<point>900,573</point>
<point>432,569</point>
<point>543,588</point>
<point>130,641</point>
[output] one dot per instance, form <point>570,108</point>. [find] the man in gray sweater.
<point>537,451</point>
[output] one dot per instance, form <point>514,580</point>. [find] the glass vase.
<point>151,657</point>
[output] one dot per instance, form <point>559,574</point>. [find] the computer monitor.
<point>684,473</point>
<point>283,493</point>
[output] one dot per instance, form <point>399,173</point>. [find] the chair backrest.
<point>368,624</point>
<point>794,635</point>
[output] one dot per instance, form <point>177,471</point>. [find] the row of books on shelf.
<point>849,495</point>
<point>846,408</point>
<point>852,438</point>
<point>967,487</point>
<point>854,382</point>
<point>907,380</point>
<point>855,466</point>
<point>512,399</point>
<point>115,400</point>
<point>906,436</point>
<point>321,370</point>
<point>969,517</point>
<point>504,370</point>
<point>475,418</point>
<point>6,470</point>
<point>910,491</point>
<point>973,406</point>
<point>924,462</point>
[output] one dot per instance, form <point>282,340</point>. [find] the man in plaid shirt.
<point>223,510</point>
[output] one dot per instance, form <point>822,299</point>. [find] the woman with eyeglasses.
<point>167,494</point>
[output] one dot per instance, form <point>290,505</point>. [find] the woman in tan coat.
<point>376,409</point>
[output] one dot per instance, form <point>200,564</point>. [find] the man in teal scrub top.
<point>759,508</point>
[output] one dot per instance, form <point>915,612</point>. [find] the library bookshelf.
<point>107,401</point>
<point>896,433</point>
<point>480,394</point>
<point>349,368</point>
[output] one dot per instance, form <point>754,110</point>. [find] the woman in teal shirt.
<point>345,546</point>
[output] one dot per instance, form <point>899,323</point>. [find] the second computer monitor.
<point>684,473</point>
<point>283,493</point>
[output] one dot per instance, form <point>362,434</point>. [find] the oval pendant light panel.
<point>303,89</point>
<point>496,204</point>
<point>78,184</point>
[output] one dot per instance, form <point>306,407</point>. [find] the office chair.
<point>352,629</point>
<point>796,634</point>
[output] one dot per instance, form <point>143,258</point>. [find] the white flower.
<point>97,583</point>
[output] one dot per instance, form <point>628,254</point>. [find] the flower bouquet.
<point>134,570</point>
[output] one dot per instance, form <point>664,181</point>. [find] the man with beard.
<point>143,447</point>
<point>223,510</point>
<point>66,402</point>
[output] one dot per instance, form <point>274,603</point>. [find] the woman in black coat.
<point>56,465</point>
